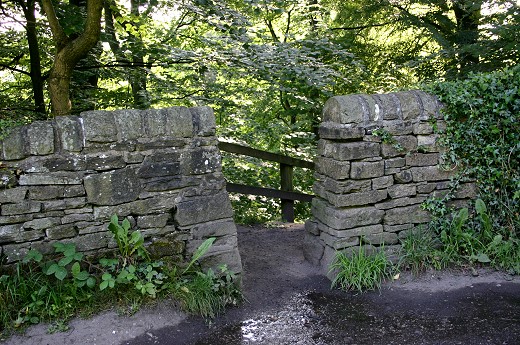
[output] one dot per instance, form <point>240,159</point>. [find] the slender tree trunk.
<point>138,76</point>
<point>35,60</point>
<point>69,51</point>
<point>467,15</point>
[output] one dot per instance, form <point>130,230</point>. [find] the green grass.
<point>359,271</point>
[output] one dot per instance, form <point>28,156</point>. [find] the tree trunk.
<point>69,51</point>
<point>467,15</point>
<point>35,60</point>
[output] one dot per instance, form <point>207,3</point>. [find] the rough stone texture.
<point>369,190</point>
<point>62,180</point>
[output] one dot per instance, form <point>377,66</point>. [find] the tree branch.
<point>57,31</point>
<point>14,69</point>
<point>361,27</point>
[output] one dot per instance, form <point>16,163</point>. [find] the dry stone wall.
<point>378,160</point>
<point>62,180</point>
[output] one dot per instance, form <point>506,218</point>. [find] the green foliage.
<point>483,135</point>
<point>64,286</point>
<point>128,243</point>
<point>464,237</point>
<point>359,271</point>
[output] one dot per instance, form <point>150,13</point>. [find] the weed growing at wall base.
<point>463,238</point>
<point>359,271</point>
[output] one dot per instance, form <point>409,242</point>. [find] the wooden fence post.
<point>286,184</point>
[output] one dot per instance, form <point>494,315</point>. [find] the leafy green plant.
<point>127,242</point>
<point>462,238</point>
<point>482,114</point>
<point>387,138</point>
<point>360,272</point>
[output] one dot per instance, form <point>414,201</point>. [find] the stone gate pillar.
<point>378,160</point>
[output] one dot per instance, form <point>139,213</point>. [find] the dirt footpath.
<point>290,303</point>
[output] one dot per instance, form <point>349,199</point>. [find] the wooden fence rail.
<point>286,192</point>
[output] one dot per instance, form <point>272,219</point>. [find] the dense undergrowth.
<point>66,284</point>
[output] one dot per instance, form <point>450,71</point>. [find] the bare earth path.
<point>289,303</point>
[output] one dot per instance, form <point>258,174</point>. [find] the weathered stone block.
<point>332,130</point>
<point>129,124</point>
<point>398,127</point>
<point>403,176</point>
<point>41,223</point>
<point>400,202</point>
<point>389,105</point>
<point>10,233</point>
<point>382,182</point>
<point>57,163</point>
<point>430,105</point>
<point>22,207</point>
<point>422,159</point>
<point>338,170</point>
<point>312,227</point>
<point>428,143</point>
<point>105,161</point>
<point>381,238</point>
<point>99,126</point>
<point>61,232</point>
<point>339,243</point>
<point>92,241</point>
<point>346,186</point>
<point>53,192</point>
<point>355,232</point>
<point>422,128</point>
<point>430,173</point>
<point>14,144</point>
<point>409,214</point>
<point>51,178</point>
<point>153,221</point>
<point>15,252</point>
<point>398,228</point>
<point>40,138</point>
<point>20,218</point>
<point>401,190</point>
<point>203,121</point>
<point>357,199</point>
<point>365,170</point>
<point>75,218</point>
<point>312,248</point>
<point>201,161</point>
<point>12,195</point>
<point>70,132</point>
<point>398,162</point>
<point>163,203</point>
<point>425,188</point>
<point>403,145</point>
<point>160,164</point>
<point>213,229</point>
<point>344,109</point>
<point>410,106</point>
<point>345,218</point>
<point>63,204</point>
<point>351,151</point>
<point>372,107</point>
<point>112,188</point>
<point>203,209</point>
<point>174,122</point>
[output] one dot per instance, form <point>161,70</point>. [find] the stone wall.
<point>62,180</point>
<point>369,188</point>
